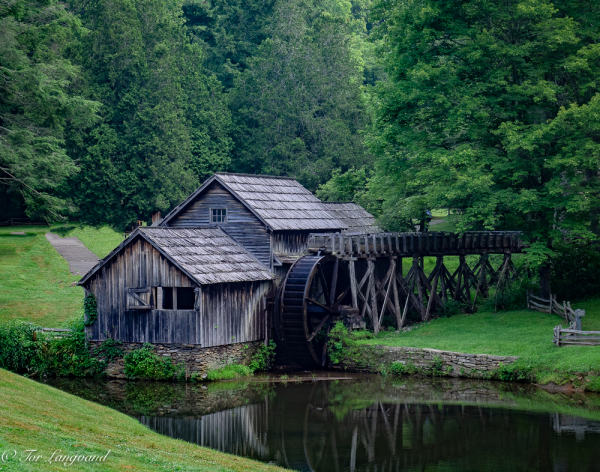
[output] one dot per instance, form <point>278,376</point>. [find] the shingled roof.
<point>356,218</point>
<point>280,202</point>
<point>206,255</point>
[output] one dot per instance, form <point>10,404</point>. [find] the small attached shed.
<point>355,217</point>
<point>189,286</point>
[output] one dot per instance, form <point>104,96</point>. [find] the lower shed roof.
<point>206,255</point>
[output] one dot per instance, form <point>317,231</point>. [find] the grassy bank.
<point>98,240</point>
<point>35,282</point>
<point>524,333</point>
<point>36,416</point>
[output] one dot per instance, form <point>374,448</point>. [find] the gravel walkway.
<point>79,257</point>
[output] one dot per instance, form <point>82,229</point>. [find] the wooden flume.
<point>353,276</point>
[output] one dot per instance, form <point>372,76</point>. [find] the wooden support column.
<point>433,294</point>
<point>394,282</point>
<point>373,295</point>
<point>353,283</point>
<point>419,281</point>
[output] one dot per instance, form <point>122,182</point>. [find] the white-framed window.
<point>218,215</point>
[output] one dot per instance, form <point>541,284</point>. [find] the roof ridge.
<point>264,176</point>
<point>341,202</point>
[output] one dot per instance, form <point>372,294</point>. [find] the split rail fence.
<point>574,334</point>
<point>553,306</point>
<point>564,336</point>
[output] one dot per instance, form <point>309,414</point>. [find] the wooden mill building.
<point>199,278</point>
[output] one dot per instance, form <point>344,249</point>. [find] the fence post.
<point>557,335</point>
<point>578,321</point>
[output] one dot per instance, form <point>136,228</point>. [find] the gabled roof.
<point>280,203</point>
<point>205,255</point>
<point>357,219</point>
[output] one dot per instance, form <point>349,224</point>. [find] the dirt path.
<point>79,257</point>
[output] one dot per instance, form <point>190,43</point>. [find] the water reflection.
<point>369,424</point>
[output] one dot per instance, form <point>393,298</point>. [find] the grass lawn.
<point>36,416</point>
<point>35,282</point>
<point>524,333</point>
<point>98,240</point>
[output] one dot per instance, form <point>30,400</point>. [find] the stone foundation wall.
<point>197,359</point>
<point>453,364</point>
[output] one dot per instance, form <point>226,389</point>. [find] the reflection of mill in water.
<point>328,427</point>
<point>240,431</point>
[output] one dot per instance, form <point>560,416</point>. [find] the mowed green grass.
<point>524,333</point>
<point>101,241</point>
<point>35,282</point>
<point>36,416</point>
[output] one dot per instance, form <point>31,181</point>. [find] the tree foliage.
<point>298,105</point>
<point>230,32</point>
<point>491,109</point>
<point>37,103</point>
<point>164,122</point>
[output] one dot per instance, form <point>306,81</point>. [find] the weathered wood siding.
<point>290,242</point>
<point>241,224</point>
<point>234,312</point>
<point>235,309</point>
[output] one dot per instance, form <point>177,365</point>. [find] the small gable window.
<point>218,215</point>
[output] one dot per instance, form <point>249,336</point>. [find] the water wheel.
<point>308,303</point>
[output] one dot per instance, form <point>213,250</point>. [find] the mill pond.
<point>351,422</point>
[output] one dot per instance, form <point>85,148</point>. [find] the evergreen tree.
<point>298,105</point>
<point>164,123</point>
<point>491,110</point>
<point>37,103</point>
<point>230,32</point>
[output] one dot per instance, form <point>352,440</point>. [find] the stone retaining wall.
<point>453,364</point>
<point>197,359</point>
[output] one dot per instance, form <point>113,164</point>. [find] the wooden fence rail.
<point>22,222</point>
<point>564,336</point>
<point>553,306</point>
<point>57,332</point>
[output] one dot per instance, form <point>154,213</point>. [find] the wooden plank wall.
<point>234,312</point>
<point>241,224</point>
<point>290,242</point>
<point>235,308</point>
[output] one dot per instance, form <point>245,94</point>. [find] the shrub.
<point>593,384</point>
<point>511,297</point>
<point>453,307</point>
<point>26,350</point>
<point>109,350</point>
<point>574,271</point>
<point>513,372</point>
<point>21,347</point>
<point>395,368</point>
<point>228,372</point>
<point>143,363</point>
<point>264,357</point>
<point>437,367</point>
<point>340,343</point>
<point>69,355</point>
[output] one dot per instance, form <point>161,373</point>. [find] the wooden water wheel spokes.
<point>309,302</point>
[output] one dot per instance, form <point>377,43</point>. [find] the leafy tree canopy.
<point>37,103</point>
<point>298,106</point>
<point>164,122</point>
<point>491,109</point>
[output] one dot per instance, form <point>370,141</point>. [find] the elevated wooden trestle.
<point>373,265</point>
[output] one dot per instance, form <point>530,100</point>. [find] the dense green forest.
<point>113,109</point>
